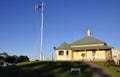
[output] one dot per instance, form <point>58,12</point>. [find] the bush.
<point>111,62</point>
<point>23,59</point>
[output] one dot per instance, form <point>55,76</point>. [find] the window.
<point>67,53</point>
<point>61,53</point>
<point>93,52</point>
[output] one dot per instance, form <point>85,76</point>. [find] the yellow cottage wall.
<point>99,55</point>
<point>65,56</point>
<point>76,55</point>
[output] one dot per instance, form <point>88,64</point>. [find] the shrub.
<point>111,62</point>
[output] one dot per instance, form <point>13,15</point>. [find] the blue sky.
<point>64,20</point>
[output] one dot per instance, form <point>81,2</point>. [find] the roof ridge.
<point>87,40</point>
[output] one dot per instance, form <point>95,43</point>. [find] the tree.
<point>4,57</point>
<point>23,58</point>
<point>10,59</point>
<point>1,59</point>
<point>4,54</point>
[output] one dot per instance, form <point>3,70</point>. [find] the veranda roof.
<point>91,47</point>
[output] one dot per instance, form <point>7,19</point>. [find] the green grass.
<point>114,71</point>
<point>46,69</point>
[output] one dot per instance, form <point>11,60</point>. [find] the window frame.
<point>61,53</point>
<point>67,52</point>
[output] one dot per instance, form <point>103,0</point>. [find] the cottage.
<point>87,48</point>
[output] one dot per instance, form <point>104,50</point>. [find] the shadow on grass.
<point>100,72</point>
<point>47,69</point>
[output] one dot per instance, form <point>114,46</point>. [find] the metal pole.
<point>42,23</point>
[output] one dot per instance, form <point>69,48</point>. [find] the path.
<point>99,72</point>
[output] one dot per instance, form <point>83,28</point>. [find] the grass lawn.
<point>114,71</point>
<point>46,69</point>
